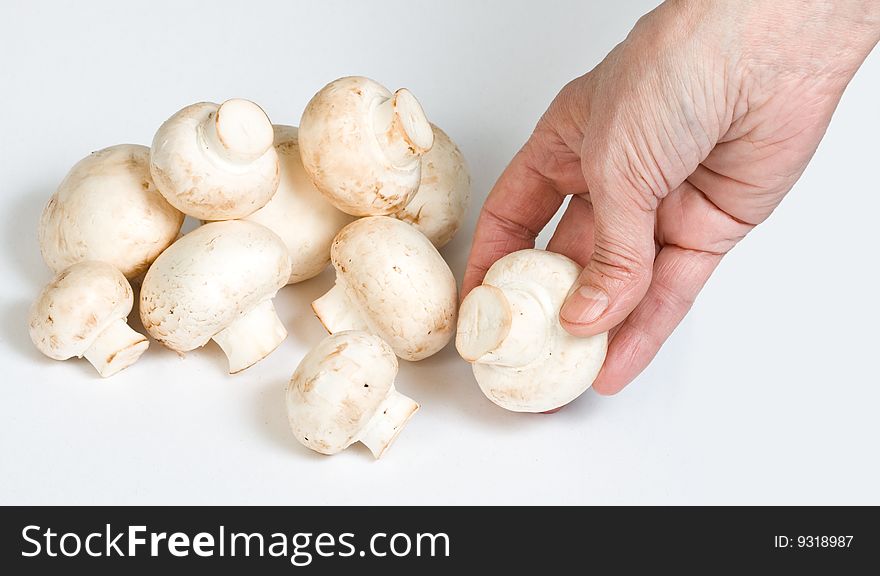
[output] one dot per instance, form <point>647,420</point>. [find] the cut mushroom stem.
<point>503,328</point>
<point>383,428</point>
<point>239,131</point>
<point>252,337</point>
<point>402,129</point>
<point>116,348</point>
<point>337,312</point>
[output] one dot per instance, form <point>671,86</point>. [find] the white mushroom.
<point>362,145</point>
<point>523,359</point>
<point>217,283</point>
<point>107,208</point>
<point>216,162</point>
<point>343,392</point>
<point>391,281</point>
<point>84,312</point>
<point>438,207</point>
<point>298,213</point>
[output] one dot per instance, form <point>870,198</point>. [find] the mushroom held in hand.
<point>362,145</point>
<point>107,208</point>
<point>84,312</point>
<point>523,359</point>
<point>391,281</point>
<point>217,283</point>
<point>216,162</point>
<point>343,392</point>
<point>298,213</point>
<point>438,207</point>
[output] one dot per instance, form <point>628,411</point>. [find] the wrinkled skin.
<point>673,148</point>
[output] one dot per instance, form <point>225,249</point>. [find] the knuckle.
<point>508,227</point>
<point>618,262</point>
<point>645,181</point>
<point>626,169</point>
<point>635,347</point>
<point>668,300</point>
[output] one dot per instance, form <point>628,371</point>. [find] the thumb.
<point>618,274</point>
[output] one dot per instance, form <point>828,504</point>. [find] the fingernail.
<point>584,306</point>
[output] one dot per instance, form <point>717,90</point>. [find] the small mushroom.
<point>84,312</point>
<point>343,392</point>
<point>216,162</point>
<point>362,145</point>
<point>438,207</point>
<point>217,283</point>
<point>508,328</point>
<point>107,208</point>
<point>391,281</point>
<point>299,214</point>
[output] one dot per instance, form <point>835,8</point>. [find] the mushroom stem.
<point>117,347</point>
<point>385,425</point>
<point>402,129</point>
<point>252,337</point>
<point>239,131</point>
<point>337,312</point>
<point>504,328</point>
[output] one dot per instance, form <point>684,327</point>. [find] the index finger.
<point>517,209</point>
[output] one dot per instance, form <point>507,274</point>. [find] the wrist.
<point>817,37</point>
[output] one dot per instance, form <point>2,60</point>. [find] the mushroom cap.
<point>77,306</point>
<point>438,207</point>
<point>402,287</point>
<point>337,388</point>
<point>300,215</point>
<point>107,208</point>
<point>568,365</point>
<point>216,162</point>
<point>210,278</point>
<point>342,154</point>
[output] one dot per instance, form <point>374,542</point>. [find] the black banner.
<point>400,540</point>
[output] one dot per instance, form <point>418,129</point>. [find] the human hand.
<point>684,138</point>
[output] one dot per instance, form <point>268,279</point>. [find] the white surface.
<point>768,393</point>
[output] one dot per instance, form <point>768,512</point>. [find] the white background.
<point>767,393</point>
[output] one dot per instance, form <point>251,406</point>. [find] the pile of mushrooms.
<point>366,183</point>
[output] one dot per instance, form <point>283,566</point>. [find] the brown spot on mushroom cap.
<point>409,217</point>
<point>340,348</point>
<point>309,383</point>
